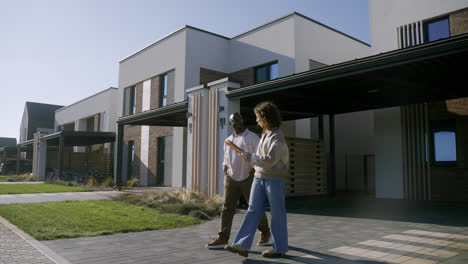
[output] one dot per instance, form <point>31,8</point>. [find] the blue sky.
<point>61,51</point>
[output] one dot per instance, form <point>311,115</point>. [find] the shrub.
<point>25,177</point>
<point>133,182</point>
<point>181,202</point>
<point>108,182</point>
<point>92,181</point>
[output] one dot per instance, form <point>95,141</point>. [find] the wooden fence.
<point>83,162</point>
<point>308,167</point>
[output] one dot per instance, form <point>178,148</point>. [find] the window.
<point>163,91</point>
<point>442,143</point>
<point>129,101</point>
<point>131,159</point>
<point>161,160</point>
<point>436,29</point>
<point>266,72</point>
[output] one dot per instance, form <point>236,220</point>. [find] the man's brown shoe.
<point>216,243</point>
<point>238,249</point>
<point>270,253</point>
<point>264,239</point>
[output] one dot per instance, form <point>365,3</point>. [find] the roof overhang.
<point>430,72</point>
<point>174,115</point>
<point>79,138</point>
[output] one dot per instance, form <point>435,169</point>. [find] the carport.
<point>421,74</point>
<point>60,140</point>
<point>174,115</point>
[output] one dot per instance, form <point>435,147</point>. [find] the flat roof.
<point>84,99</point>
<point>424,73</point>
<point>174,115</point>
<point>241,34</point>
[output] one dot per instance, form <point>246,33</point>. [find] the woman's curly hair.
<point>269,113</point>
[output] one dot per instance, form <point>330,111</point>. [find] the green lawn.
<point>54,220</point>
<point>38,188</point>
<point>3,178</point>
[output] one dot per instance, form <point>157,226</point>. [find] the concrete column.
<point>145,132</point>
<point>197,139</point>
<point>220,109</point>
<point>39,156</point>
<point>80,125</point>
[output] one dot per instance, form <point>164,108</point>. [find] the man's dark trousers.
<point>232,192</point>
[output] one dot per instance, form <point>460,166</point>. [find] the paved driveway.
<point>320,231</point>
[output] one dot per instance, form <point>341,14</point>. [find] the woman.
<point>271,171</point>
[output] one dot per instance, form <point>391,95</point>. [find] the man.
<point>238,177</point>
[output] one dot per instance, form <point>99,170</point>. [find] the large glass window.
<point>266,72</point>
<point>130,93</point>
<point>436,29</point>
<point>443,142</point>
<point>163,91</point>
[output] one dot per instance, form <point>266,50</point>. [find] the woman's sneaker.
<point>270,253</point>
<point>238,249</point>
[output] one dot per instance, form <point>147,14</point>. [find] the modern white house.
<point>96,113</point>
<point>164,74</point>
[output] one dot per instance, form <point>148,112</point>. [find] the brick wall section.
<point>459,22</point>
<point>245,76</point>
<point>139,97</point>
<point>155,92</point>
<point>156,132</point>
<point>207,75</point>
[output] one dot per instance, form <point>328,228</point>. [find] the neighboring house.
<point>7,142</point>
<point>96,113</point>
<point>421,150</point>
<point>37,117</point>
<point>159,75</point>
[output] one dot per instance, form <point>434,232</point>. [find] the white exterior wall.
<point>105,101</point>
<point>388,154</point>
<point>167,54</point>
<point>204,50</point>
<point>386,16</point>
<point>313,41</point>
<point>269,43</point>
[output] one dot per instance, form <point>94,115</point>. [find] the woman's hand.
<point>245,155</point>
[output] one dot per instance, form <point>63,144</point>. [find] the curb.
<point>36,244</point>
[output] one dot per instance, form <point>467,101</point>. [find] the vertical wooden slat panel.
<point>416,153</point>
<point>429,197</point>
<point>421,151</point>
<point>405,151</point>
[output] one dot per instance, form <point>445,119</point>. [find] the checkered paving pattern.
<point>14,249</point>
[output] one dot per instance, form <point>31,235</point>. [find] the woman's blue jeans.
<point>263,191</point>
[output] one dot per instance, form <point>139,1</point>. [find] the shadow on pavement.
<point>361,206</point>
<point>319,258</point>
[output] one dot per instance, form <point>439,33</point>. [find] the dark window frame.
<point>429,21</point>
<point>268,71</point>
<point>435,126</point>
